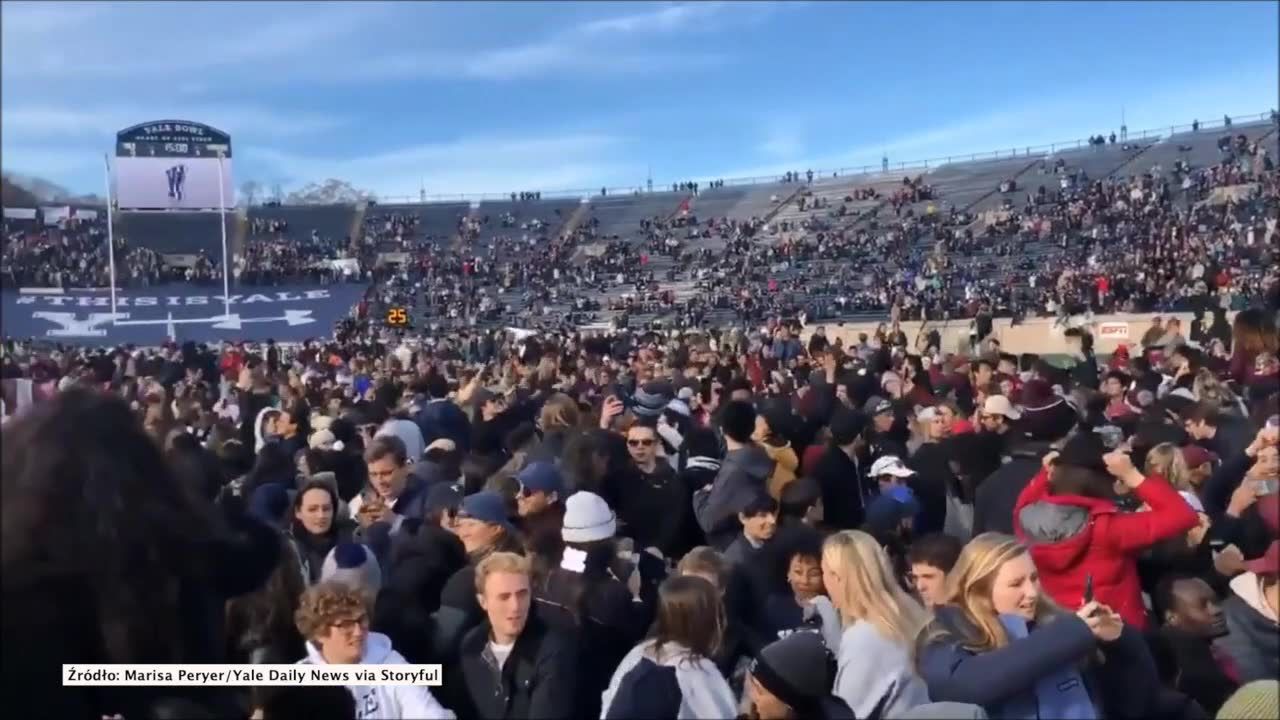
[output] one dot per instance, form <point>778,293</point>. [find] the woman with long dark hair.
<point>586,461</point>
<point>260,627</point>
<point>315,527</point>
<point>109,558</point>
<point>1253,332</point>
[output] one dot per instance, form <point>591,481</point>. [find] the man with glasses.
<point>998,415</point>
<point>334,618</point>
<point>652,504</point>
<point>392,495</point>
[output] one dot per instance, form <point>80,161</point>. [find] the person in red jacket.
<point>1069,518</point>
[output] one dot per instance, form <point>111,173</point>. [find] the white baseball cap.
<point>890,465</point>
<point>927,414</point>
<point>1000,405</point>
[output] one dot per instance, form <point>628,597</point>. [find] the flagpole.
<point>226,263</point>
<point>111,242</point>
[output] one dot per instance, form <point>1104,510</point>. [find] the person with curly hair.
<point>334,618</point>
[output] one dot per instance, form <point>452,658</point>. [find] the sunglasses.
<point>647,442</point>
<point>525,492</point>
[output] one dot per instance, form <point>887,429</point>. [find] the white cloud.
<point>977,133</point>
<point>26,122</point>
<point>590,47</point>
<point>664,19</point>
<point>781,144</point>
<point>469,165</point>
<point>22,18</point>
<point>161,40</point>
<point>278,43</point>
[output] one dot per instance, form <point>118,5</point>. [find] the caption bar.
<point>247,675</point>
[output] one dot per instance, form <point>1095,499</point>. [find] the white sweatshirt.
<point>384,702</point>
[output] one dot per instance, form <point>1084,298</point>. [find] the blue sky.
<point>493,97</point>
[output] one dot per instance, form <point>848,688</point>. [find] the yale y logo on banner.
<point>72,326</point>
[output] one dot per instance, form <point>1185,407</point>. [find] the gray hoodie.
<point>743,476</point>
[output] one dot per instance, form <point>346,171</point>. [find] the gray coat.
<point>742,477</point>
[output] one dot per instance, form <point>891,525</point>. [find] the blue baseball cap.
<point>541,477</point>
<point>485,506</point>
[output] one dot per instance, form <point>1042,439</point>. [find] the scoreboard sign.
<point>173,165</point>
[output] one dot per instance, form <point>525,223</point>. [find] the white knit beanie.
<point>587,517</point>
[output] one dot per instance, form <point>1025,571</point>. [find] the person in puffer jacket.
<point>334,618</point>
<point>1068,517</point>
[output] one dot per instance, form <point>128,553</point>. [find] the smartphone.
<point>1268,487</point>
<point>1088,588</point>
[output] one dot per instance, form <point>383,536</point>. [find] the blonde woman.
<point>1170,462</point>
<point>1207,388</point>
<point>1000,642</point>
<point>875,675</point>
<point>1167,461</point>
<point>557,422</point>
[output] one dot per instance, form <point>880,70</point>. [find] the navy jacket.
<point>1003,681</point>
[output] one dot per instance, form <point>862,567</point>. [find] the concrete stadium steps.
<point>525,211</point>
<point>331,221</point>
<point>435,219</point>
<point>621,215</point>
<point>760,200</point>
<point>833,190</point>
<point>1204,148</point>
<point>177,232</point>
<point>963,184</point>
<point>717,202</point>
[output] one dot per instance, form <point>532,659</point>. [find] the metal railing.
<point>593,194</point>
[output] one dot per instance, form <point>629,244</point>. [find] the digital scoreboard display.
<point>172,138</point>
<point>397,317</point>
<point>173,165</point>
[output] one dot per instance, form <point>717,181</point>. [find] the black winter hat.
<point>846,426</point>
<point>800,671</point>
<point>1084,449</point>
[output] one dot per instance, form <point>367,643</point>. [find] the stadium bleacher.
<point>188,233</point>
<point>836,241</point>
<point>331,221</point>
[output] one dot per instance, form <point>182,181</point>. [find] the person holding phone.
<point>1002,643</point>
<point>1069,517</point>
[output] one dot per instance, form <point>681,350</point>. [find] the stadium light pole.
<point>111,240</point>
<point>226,261</point>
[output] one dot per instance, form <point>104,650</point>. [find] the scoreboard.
<point>173,165</point>
<point>172,138</point>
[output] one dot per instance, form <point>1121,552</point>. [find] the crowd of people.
<point>73,254</point>
<point>275,254</point>
<point>660,525</point>
<point>1061,244</point>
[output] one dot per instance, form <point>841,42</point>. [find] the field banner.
<point>180,311</point>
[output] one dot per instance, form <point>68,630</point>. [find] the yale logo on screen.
<point>397,317</point>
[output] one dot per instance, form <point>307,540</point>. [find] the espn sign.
<point>1113,331</point>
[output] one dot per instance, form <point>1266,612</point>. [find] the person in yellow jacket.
<point>774,426</point>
